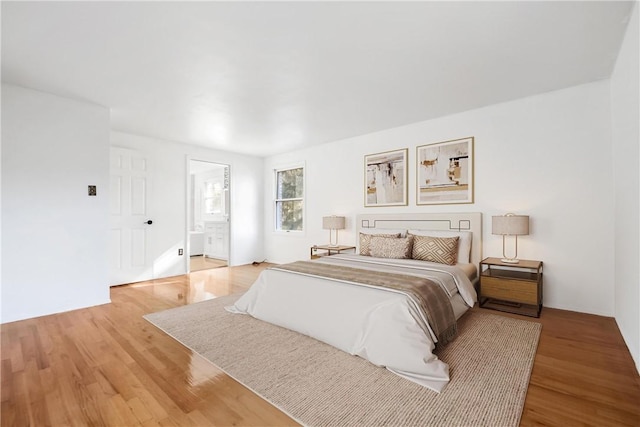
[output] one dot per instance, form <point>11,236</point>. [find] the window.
<point>212,198</point>
<point>289,198</point>
<point>215,192</point>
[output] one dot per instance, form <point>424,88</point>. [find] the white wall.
<point>625,115</point>
<point>169,200</point>
<point>547,156</point>
<point>54,244</point>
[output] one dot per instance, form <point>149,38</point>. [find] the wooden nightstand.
<point>514,288</point>
<point>328,250</point>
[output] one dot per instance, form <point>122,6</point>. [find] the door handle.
<point>148,222</point>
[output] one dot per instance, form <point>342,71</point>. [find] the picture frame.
<point>386,177</point>
<point>445,172</point>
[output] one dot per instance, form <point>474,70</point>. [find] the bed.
<point>338,300</point>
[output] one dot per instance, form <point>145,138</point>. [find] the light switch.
<point>92,190</point>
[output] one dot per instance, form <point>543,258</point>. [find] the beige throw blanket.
<point>428,295</point>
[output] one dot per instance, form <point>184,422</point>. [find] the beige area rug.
<point>490,364</point>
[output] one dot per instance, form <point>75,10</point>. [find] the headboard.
<point>460,221</point>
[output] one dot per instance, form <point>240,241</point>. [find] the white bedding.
<point>382,326</point>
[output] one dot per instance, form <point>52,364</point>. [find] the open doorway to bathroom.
<point>208,215</point>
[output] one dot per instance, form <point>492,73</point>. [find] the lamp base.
<point>510,260</point>
<point>331,244</point>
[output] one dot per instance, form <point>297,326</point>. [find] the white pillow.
<point>402,231</point>
<point>464,241</point>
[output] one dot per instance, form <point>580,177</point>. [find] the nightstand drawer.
<point>510,290</point>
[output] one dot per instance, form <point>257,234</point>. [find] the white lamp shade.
<point>333,222</point>
<point>510,225</point>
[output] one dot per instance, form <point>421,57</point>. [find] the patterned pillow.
<point>443,250</point>
<point>390,247</point>
<point>365,241</point>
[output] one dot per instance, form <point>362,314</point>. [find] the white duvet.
<point>382,326</point>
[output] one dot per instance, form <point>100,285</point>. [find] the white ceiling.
<point>268,77</point>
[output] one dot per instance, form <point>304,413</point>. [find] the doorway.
<point>208,215</point>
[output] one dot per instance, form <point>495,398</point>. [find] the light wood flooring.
<point>201,262</point>
<point>106,365</point>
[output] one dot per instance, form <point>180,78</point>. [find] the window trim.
<point>274,207</point>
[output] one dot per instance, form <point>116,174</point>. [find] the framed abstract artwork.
<point>444,172</point>
<point>386,178</point>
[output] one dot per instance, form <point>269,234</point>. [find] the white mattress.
<point>381,326</point>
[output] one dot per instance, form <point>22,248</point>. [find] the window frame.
<point>276,200</point>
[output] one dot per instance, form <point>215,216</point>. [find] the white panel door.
<point>131,225</point>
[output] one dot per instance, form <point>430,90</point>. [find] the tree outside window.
<point>289,199</point>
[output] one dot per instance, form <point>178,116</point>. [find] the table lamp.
<point>330,223</point>
<point>510,225</point>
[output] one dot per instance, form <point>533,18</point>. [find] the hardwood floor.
<point>201,262</point>
<point>106,365</point>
